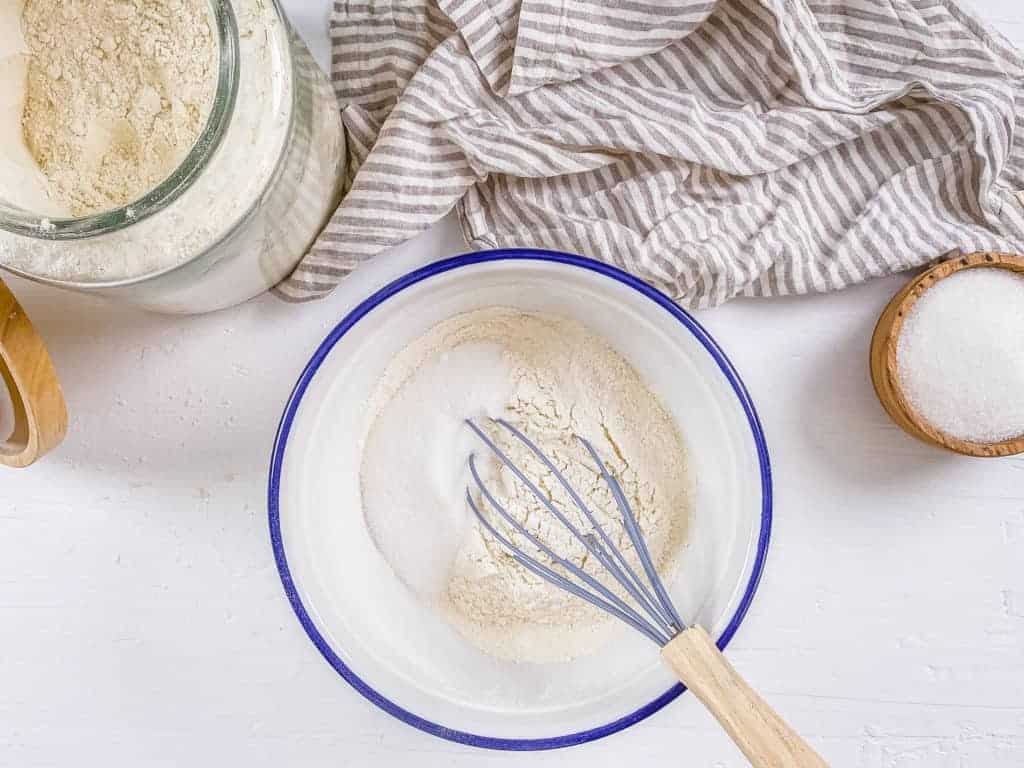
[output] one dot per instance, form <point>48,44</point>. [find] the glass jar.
<point>240,211</point>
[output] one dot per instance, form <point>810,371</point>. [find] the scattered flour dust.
<point>553,379</point>
<point>118,92</point>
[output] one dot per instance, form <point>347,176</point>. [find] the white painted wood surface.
<point>142,622</point>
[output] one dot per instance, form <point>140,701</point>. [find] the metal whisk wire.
<point>656,618</point>
<point>689,651</point>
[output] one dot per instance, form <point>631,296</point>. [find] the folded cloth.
<point>715,149</point>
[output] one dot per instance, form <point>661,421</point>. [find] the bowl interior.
<point>397,651</point>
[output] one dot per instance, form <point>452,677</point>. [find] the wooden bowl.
<point>883,356</point>
<point>40,415</point>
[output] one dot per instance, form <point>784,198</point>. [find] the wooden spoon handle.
<point>752,725</point>
<point>40,415</point>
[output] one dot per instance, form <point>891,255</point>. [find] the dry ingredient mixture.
<point>961,355</point>
<point>553,379</point>
<point>118,91</point>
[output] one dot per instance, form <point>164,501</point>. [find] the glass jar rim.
<point>170,189</point>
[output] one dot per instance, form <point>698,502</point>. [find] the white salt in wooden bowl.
<point>885,365</point>
<point>400,654</point>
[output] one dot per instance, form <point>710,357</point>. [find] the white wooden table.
<point>142,622</point>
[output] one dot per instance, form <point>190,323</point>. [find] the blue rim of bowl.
<point>281,443</point>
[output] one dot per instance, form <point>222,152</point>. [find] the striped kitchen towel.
<point>715,149</point>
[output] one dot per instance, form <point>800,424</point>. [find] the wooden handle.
<point>752,725</point>
<point>40,416</point>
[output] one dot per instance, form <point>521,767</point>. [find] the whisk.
<point>643,603</point>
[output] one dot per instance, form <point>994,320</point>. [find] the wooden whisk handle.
<point>753,726</point>
<point>40,415</point>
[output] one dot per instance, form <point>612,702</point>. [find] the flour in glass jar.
<point>117,94</point>
<point>270,148</point>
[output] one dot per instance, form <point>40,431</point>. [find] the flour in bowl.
<point>553,379</point>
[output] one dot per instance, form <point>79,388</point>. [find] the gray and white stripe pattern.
<point>715,149</point>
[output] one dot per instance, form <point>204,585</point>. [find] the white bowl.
<point>391,648</point>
